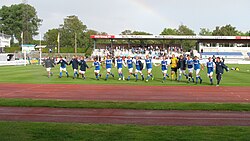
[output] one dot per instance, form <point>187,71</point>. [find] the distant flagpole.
<point>40,42</point>
<point>58,41</point>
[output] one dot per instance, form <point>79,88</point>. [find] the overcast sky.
<point>114,16</point>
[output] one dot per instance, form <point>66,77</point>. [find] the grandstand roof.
<point>169,37</point>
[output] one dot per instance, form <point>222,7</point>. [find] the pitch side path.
<point>126,93</point>
<point>120,116</point>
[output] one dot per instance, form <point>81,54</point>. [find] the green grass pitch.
<point>37,74</point>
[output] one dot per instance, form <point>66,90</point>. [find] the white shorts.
<point>182,71</point>
<point>165,71</point>
<point>149,70</point>
<point>136,71</point>
<point>81,72</point>
<point>130,70</point>
<point>75,70</point>
<point>96,71</point>
<point>63,69</point>
<point>190,70</point>
<point>197,72</point>
<point>48,69</point>
<point>109,70</point>
<point>210,74</point>
<point>119,70</point>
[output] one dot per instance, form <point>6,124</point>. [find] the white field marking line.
<point>125,117</point>
<point>22,90</point>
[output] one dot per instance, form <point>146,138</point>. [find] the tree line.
<point>21,21</point>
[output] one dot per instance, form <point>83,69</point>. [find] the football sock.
<point>148,77</point>
<point>128,77</point>
<point>136,76</point>
<point>172,76</point>
<point>60,74</point>
<point>179,77</point>
<point>218,82</point>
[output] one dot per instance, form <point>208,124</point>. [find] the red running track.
<point>126,93</point>
<point>118,116</point>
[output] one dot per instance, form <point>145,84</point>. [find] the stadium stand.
<point>153,51</point>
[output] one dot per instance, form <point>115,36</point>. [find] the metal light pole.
<point>58,42</point>
<point>40,49</point>
<point>75,43</point>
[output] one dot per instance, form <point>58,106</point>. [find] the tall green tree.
<point>247,33</point>
<point>182,30</point>
<point>71,28</point>
<point>169,31</point>
<point>51,37</point>
<point>88,42</point>
<point>126,32</point>
<point>205,32</point>
<point>227,30</point>
<point>20,18</point>
<point>141,42</point>
<point>186,44</point>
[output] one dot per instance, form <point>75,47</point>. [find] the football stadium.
<point>63,79</point>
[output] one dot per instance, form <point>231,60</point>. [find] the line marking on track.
<point>129,117</point>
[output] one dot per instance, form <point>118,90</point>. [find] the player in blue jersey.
<point>164,68</point>
<point>108,63</point>
<point>97,66</point>
<point>190,66</point>
<point>138,68</point>
<point>63,63</point>
<point>210,69</point>
<point>118,63</point>
<point>149,67</point>
<point>129,63</point>
<point>83,66</point>
<point>197,68</point>
<point>74,63</point>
